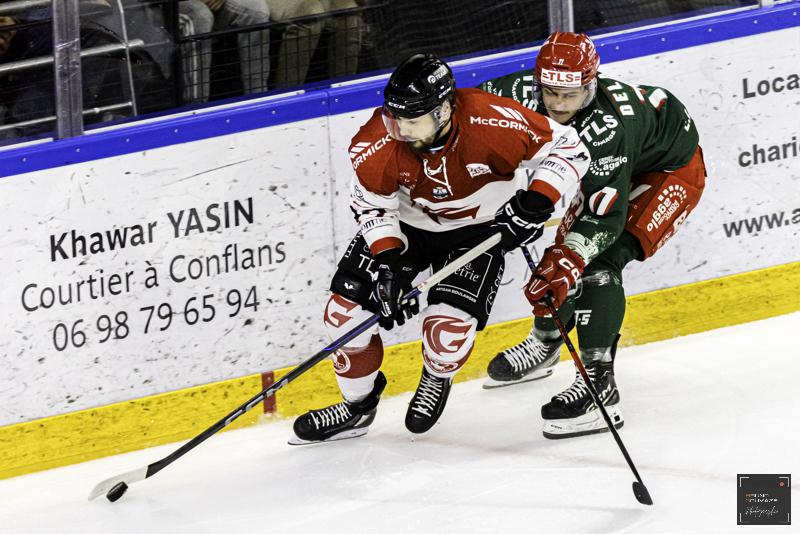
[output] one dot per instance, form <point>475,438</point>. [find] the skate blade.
<point>347,434</point>
<point>585,425</point>
<point>491,383</point>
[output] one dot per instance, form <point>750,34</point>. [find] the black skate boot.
<point>573,413</point>
<point>428,402</point>
<point>530,360</point>
<point>339,421</point>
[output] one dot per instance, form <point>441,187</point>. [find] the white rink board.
<point>719,84</point>
<point>289,204</point>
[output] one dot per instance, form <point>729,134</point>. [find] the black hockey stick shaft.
<point>155,467</point>
<point>140,474</point>
<point>639,489</point>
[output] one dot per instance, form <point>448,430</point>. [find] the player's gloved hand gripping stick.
<point>639,489</point>
<point>393,289</point>
<point>115,487</point>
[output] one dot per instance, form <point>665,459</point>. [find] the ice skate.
<point>573,413</point>
<point>340,421</point>
<point>428,402</point>
<point>531,359</point>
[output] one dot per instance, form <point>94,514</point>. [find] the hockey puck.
<point>117,491</point>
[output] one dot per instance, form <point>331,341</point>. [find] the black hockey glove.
<point>394,279</point>
<point>521,219</point>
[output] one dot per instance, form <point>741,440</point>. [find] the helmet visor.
<point>409,130</point>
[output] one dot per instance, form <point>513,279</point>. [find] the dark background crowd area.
<point>189,52</point>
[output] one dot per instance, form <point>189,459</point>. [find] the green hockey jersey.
<point>628,130</point>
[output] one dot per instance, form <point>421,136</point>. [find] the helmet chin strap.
<point>437,115</point>
<point>438,135</point>
<point>445,125</point>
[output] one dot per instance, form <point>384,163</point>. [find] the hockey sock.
<point>599,311</point>
<point>448,335</point>
<point>356,368</point>
<point>545,329</point>
<point>357,364</point>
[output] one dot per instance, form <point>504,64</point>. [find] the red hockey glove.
<point>555,274</point>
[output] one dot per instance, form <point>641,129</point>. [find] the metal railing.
<point>385,31</point>
<point>65,61</point>
<point>43,61</point>
<point>18,6</point>
<point>52,118</point>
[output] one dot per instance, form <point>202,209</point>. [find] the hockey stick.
<point>639,489</point>
<point>115,487</point>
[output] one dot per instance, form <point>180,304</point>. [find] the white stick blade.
<point>128,478</point>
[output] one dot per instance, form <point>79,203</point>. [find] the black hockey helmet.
<point>420,84</point>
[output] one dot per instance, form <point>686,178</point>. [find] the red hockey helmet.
<point>567,60</point>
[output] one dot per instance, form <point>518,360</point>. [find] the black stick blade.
<point>642,495</point>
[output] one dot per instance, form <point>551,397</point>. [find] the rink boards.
<point>168,271</point>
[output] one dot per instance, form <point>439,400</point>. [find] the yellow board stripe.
<point>121,427</point>
<point>168,417</point>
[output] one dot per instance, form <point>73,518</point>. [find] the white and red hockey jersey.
<point>466,181</point>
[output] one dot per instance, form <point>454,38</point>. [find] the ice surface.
<point>698,410</point>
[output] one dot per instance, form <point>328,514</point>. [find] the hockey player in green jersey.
<point>646,175</point>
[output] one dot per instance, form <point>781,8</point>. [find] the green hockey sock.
<point>599,311</point>
<point>545,329</point>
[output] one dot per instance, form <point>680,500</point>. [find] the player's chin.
<point>420,145</point>
<point>561,117</point>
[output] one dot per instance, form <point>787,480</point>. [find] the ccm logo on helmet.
<point>558,78</point>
